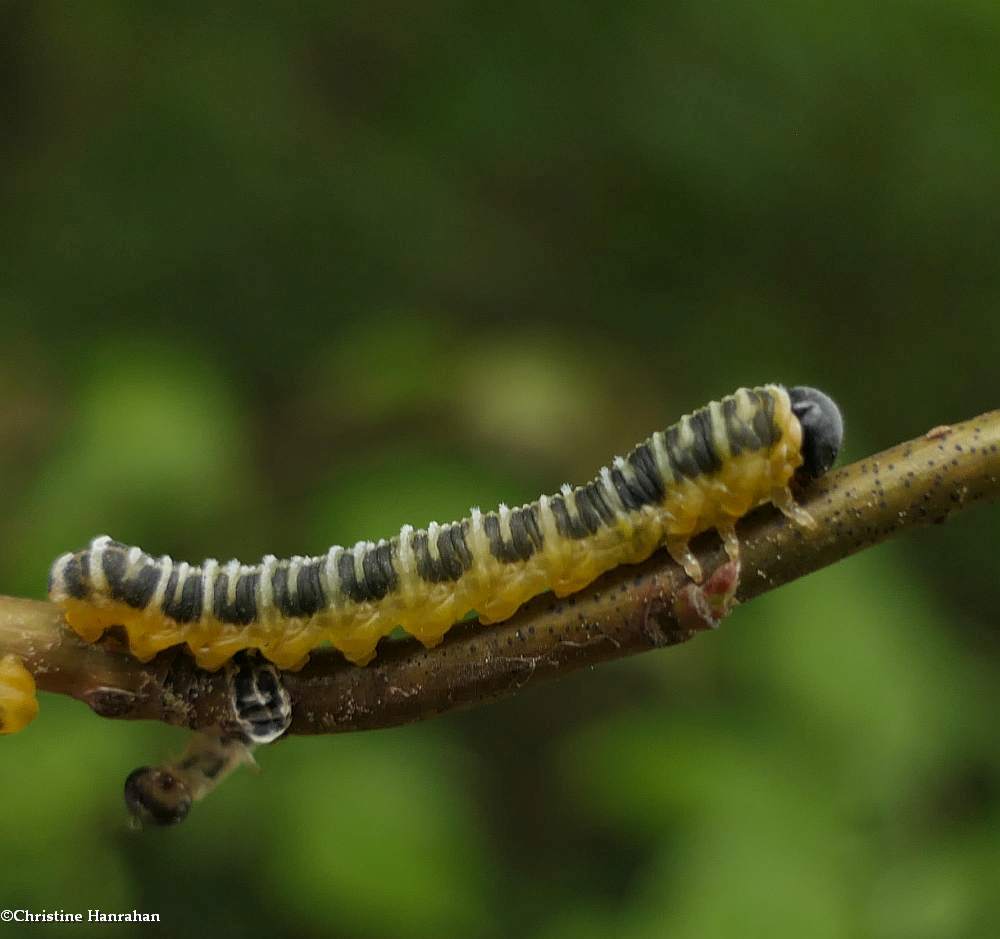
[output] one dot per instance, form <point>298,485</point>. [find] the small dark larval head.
<point>822,428</point>
<point>156,796</point>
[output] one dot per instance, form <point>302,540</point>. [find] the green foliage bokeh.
<point>281,277</point>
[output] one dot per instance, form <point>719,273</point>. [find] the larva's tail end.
<point>70,574</point>
<point>57,585</point>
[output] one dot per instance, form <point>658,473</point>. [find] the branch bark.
<point>627,611</point>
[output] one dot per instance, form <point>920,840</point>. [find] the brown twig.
<point>629,610</point>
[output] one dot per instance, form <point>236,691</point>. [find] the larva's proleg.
<point>704,472</point>
<point>704,606</point>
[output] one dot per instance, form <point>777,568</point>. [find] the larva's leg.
<point>785,501</point>
<point>704,606</point>
<point>678,549</point>
<point>731,543</point>
<point>263,708</point>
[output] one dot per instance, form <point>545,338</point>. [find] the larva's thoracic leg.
<point>731,543</point>
<point>785,501</point>
<point>263,708</point>
<point>679,550</point>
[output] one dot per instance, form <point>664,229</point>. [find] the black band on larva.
<point>241,609</point>
<point>631,495</point>
<point>520,540</point>
<point>703,447</point>
<point>184,605</point>
<point>113,565</point>
<point>73,581</point>
<point>137,591</point>
<point>432,569</point>
<point>279,587</point>
<point>309,589</point>
<point>647,476</point>
<point>567,525</point>
<point>356,588</point>
<point>740,435</point>
<point>593,494</point>
<point>682,461</point>
<point>586,510</point>
<point>450,555</point>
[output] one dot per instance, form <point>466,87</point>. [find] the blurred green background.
<point>278,276</point>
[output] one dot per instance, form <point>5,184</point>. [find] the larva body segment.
<point>706,471</point>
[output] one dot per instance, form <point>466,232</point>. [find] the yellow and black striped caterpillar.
<point>706,471</point>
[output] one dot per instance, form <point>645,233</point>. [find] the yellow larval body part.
<point>704,472</point>
<point>18,704</point>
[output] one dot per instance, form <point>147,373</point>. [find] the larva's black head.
<point>155,796</point>
<point>822,428</point>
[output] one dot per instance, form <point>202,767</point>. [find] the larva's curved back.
<point>706,471</point>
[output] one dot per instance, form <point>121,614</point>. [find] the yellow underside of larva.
<point>492,588</point>
<point>18,704</point>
